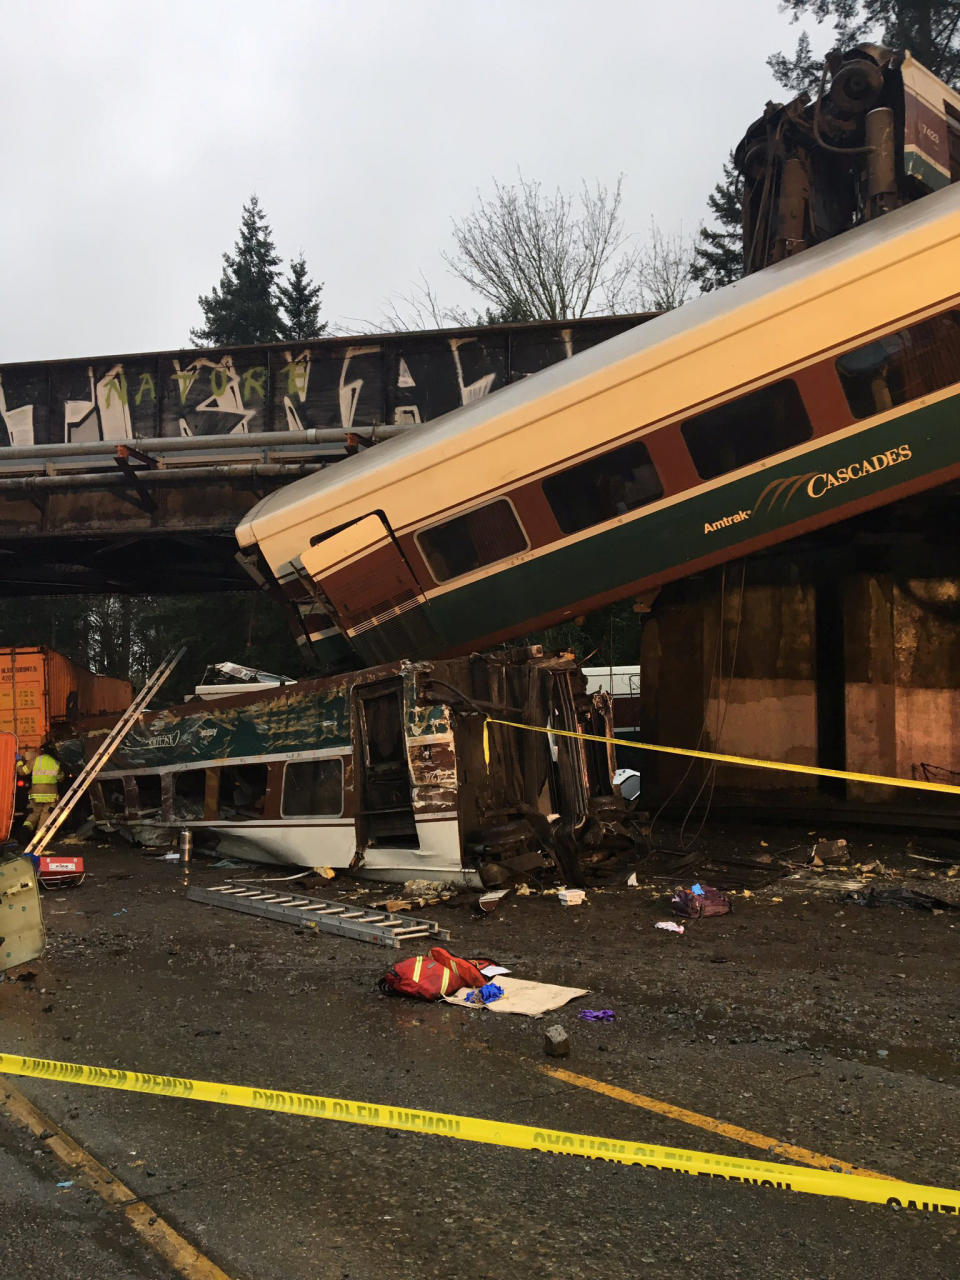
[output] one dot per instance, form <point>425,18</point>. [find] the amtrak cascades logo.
<point>815,484</point>
<point>725,521</point>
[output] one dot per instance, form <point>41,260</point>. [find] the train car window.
<point>747,429</point>
<point>312,788</point>
<point>189,790</point>
<point>243,792</point>
<point>902,366</point>
<point>603,488</point>
<point>953,139</point>
<point>149,792</point>
<point>472,540</point>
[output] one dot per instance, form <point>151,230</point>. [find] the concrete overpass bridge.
<point>128,473</point>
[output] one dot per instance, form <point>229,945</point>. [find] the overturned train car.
<point>382,771</point>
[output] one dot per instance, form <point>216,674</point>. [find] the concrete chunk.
<point>556,1042</point>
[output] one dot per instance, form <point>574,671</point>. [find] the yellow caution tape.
<point>878,778</point>
<point>523,1137</point>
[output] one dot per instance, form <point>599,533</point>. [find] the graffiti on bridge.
<point>344,383</point>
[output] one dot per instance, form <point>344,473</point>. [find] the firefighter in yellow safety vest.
<point>44,774</point>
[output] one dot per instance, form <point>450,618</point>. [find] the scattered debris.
<point>943,849</point>
<point>628,782</point>
<point>829,851</point>
<point>486,994</point>
<point>404,904</point>
<point>489,902</point>
<point>298,875</point>
<point>632,880</point>
<point>556,1042</point>
<point>415,893</point>
<point>669,926</point>
<point>597,1015</point>
<point>701,900</point>
<point>532,999</point>
<point>571,897</point>
<point>874,897</point>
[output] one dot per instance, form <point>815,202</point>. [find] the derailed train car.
<point>821,387</point>
<point>382,771</point>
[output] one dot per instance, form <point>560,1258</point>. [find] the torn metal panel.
<point>21,920</point>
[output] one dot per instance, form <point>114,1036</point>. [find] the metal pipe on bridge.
<point>165,475</point>
<point>176,444</point>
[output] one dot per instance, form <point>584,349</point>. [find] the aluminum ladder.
<point>62,808</point>
<point>385,928</point>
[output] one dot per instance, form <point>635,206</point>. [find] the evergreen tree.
<point>718,256</point>
<point>513,312</point>
<point>930,29</point>
<point>299,304</point>
<point>244,308</point>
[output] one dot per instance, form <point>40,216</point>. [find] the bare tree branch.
<point>532,255</point>
<point>663,274</point>
<point>418,308</point>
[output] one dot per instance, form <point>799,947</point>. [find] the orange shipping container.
<point>40,689</point>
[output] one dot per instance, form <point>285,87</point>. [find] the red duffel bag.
<point>430,977</point>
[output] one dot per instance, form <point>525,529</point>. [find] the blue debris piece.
<point>485,994</point>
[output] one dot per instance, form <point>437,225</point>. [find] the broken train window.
<point>243,792</point>
<point>603,488</point>
<point>902,366</point>
<point>472,540</point>
<point>189,788</point>
<point>312,788</point>
<point>754,426</point>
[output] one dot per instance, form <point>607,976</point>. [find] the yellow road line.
<point>772,1146</point>
<point>159,1235</point>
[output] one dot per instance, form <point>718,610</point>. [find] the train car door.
<point>385,798</point>
<point>372,591</point>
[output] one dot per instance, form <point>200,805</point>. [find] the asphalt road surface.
<point>49,1231</point>
<point>802,1017</point>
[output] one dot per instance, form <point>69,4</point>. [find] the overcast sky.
<point>133,133</point>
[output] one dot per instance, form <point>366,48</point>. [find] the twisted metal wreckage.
<point>382,771</point>
<point>792,400</point>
